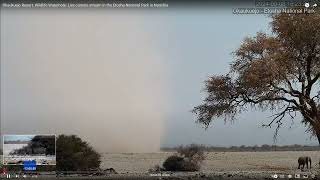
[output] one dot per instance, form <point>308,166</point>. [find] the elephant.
<point>305,160</point>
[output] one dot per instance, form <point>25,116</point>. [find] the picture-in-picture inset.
<point>18,149</point>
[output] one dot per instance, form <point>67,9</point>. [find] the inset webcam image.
<point>40,149</point>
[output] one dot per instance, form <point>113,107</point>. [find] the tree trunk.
<point>317,129</point>
<point>318,136</point>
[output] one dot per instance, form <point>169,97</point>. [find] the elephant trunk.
<point>309,161</point>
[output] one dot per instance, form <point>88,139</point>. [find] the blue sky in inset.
<point>17,137</point>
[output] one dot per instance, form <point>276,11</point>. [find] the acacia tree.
<point>278,72</point>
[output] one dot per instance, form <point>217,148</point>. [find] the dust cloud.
<point>90,73</point>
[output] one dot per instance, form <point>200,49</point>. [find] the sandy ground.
<point>41,159</point>
<point>219,163</point>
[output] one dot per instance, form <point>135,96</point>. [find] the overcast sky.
<point>126,78</point>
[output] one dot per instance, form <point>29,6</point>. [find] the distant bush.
<point>73,154</point>
<point>190,165</point>
<point>193,152</point>
<point>173,163</point>
<point>189,158</point>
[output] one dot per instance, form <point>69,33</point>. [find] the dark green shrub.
<point>73,154</point>
<point>189,158</point>
<point>173,163</point>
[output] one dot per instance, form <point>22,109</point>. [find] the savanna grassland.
<point>219,163</point>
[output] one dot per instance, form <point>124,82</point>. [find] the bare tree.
<point>278,72</point>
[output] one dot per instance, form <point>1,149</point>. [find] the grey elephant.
<point>305,160</point>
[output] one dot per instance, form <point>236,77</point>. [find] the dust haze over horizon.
<point>82,74</point>
<point>124,81</point>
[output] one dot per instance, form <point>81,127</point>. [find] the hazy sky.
<point>126,78</point>
<point>197,45</point>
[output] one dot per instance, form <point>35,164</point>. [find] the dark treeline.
<point>16,142</point>
<point>256,148</point>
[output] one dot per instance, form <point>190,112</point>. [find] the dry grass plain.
<point>218,165</point>
<point>234,163</point>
